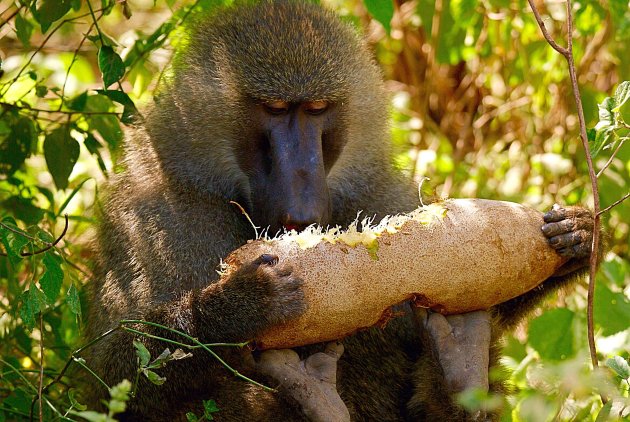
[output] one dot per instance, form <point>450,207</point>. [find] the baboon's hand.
<point>268,290</point>
<point>312,382</point>
<point>569,230</point>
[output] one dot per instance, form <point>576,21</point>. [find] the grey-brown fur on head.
<point>202,106</point>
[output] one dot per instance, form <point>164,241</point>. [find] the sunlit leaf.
<point>622,99</point>
<point>551,334</point>
<point>61,151</point>
<point>620,366</point>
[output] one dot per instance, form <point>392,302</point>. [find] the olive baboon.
<point>279,107</point>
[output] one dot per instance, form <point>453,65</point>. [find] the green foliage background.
<point>480,104</point>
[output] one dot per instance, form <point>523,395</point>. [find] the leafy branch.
<point>568,55</point>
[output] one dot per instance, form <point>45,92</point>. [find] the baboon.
<point>277,106</point>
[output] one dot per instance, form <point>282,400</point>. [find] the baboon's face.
<point>287,155</point>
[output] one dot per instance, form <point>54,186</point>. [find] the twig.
<point>27,107</point>
<point>72,62</point>
<point>40,251</point>
<point>199,344</point>
<point>38,49</point>
<point>11,16</point>
<point>41,367</point>
<point>626,196</point>
<point>568,55</point>
<point>612,156</point>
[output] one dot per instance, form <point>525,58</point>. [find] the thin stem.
<point>87,368</point>
<point>40,251</point>
<point>202,345</point>
<point>545,33</point>
<point>568,54</point>
<point>75,354</point>
<point>39,48</point>
<point>612,156</point>
<point>41,367</point>
<point>608,208</point>
<point>27,107</point>
<point>177,343</point>
<point>11,16</point>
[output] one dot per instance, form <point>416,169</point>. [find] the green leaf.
<point>111,65</point>
<point>606,114</point>
<point>61,152</point>
<point>191,417</point>
<point>51,10</point>
<point>601,139</point>
<point>73,301</point>
<point>17,146</point>
<point>624,112</point>
<point>622,100</point>
<point>41,91</point>
<point>142,352</point>
<point>33,301</point>
<point>93,146</point>
<point>73,401</point>
<point>121,390</point>
<point>13,242</point>
<point>604,413</point>
<point>209,407</point>
<point>23,209</point>
<point>130,112</point>
<point>382,11</point>
<point>622,93</point>
<point>616,270</point>
<point>551,334</point>
<point>24,29</point>
<point>78,103</point>
<point>611,310</point>
<point>52,278</point>
<point>107,125</point>
<point>153,377</point>
<point>620,366</point>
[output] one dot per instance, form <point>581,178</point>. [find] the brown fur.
<point>167,222</point>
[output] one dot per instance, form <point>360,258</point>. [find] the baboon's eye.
<point>276,106</point>
<point>316,107</point>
